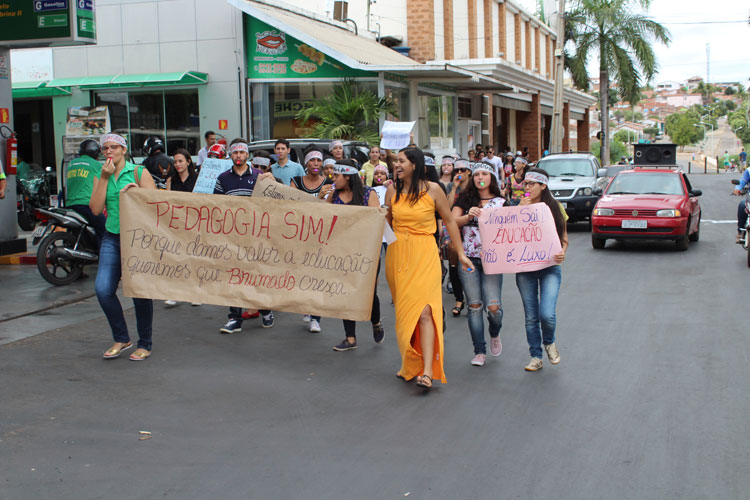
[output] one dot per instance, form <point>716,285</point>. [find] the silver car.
<point>576,181</point>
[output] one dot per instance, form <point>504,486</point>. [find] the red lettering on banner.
<point>158,214</point>
<point>174,217</point>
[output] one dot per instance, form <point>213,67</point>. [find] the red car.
<point>647,204</point>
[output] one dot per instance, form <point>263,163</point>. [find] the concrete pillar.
<point>584,134</point>
<point>9,241</point>
<point>414,108</point>
<point>566,127</point>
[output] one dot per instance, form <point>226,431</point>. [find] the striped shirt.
<point>231,183</point>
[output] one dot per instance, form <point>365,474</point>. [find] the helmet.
<point>90,147</point>
<point>219,150</point>
<point>153,145</point>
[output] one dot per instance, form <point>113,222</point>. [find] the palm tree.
<point>350,112</point>
<point>622,39</point>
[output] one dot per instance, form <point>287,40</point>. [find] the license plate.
<point>38,231</point>
<point>564,204</point>
<point>634,224</point>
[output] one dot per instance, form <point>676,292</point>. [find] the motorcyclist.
<point>79,184</point>
<point>741,214</point>
<point>157,162</point>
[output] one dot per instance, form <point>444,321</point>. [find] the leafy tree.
<point>683,128</point>
<point>623,136</point>
<point>729,91</point>
<point>651,131</point>
<point>617,151</point>
<point>622,38</point>
<point>349,112</point>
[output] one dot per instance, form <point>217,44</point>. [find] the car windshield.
<point>567,167</point>
<point>646,183</point>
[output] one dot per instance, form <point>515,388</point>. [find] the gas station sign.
<point>40,23</point>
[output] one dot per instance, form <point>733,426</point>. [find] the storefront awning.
<point>131,81</point>
<point>335,40</point>
<point>35,90</point>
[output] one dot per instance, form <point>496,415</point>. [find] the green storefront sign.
<point>37,23</point>
<point>272,54</point>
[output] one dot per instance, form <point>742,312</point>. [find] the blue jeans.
<point>539,290</point>
<point>485,290</point>
<point>107,280</point>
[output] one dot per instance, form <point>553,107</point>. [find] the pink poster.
<point>518,239</point>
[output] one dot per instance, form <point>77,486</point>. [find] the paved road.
<point>649,402</point>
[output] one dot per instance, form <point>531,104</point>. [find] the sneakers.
<point>232,326</point>
<point>345,346</point>
<point>738,239</point>
<point>534,365</point>
<point>314,326</point>
<point>267,320</point>
<point>496,346</point>
<point>478,360</point>
<point>552,354</point>
<point>449,287</point>
<point>378,334</point>
<point>170,303</point>
<point>306,318</point>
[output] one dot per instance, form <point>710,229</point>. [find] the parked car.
<point>352,149</point>
<point>648,204</point>
<point>576,181</point>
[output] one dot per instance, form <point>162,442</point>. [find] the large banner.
<point>252,252</point>
<point>518,239</point>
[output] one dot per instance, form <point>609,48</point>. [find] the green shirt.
<point>112,202</point>
<point>80,180</point>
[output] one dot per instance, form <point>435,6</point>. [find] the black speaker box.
<point>655,154</point>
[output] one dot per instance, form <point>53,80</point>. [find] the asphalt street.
<point>649,401</point>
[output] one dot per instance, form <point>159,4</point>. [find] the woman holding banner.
<point>413,267</point>
<point>118,175</point>
<point>483,291</point>
<point>539,289</point>
<point>349,190</point>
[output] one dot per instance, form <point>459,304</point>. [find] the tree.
<point>729,91</point>
<point>623,136</point>
<point>651,131</point>
<point>683,128</point>
<point>623,40</point>
<point>349,112</point>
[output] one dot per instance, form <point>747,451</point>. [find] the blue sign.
<point>210,170</point>
<point>86,4</point>
<point>42,5</point>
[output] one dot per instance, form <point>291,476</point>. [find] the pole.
<point>9,241</point>
<point>557,132</point>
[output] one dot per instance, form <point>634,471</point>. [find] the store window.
<point>464,107</point>
<point>400,97</point>
<point>171,115</point>
<point>437,117</point>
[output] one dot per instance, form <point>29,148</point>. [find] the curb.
<point>18,258</point>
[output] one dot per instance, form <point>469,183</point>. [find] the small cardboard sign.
<point>210,170</point>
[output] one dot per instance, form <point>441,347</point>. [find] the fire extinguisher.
<point>11,152</point>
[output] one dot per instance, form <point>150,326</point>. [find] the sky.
<point>686,54</point>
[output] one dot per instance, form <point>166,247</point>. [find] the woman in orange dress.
<point>413,267</point>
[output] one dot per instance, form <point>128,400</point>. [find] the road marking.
<point>719,221</point>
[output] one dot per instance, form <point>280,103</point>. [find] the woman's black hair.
<point>354,183</point>
<point>191,166</point>
<point>469,197</point>
<point>419,177</point>
<point>553,204</point>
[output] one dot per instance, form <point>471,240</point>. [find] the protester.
<point>483,291</point>
<point>413,267</point>
<point>446,170</point>
<point>79,184</point>
<point>313,183</point>
<point>368,169</point>
<point>496,162</point>
<point>217,151</point>
<point>508,165</point>
<point>514,190</point>
<point>116,176</point>
<point>461,177</point>
<point>262,161</point>
<point>284,169</point>
<point>539,289</point>
<point>210,138</point>
<point>472,155</point>
<point>336,148</point>
<point>379,178</point>
<point>240,180</point>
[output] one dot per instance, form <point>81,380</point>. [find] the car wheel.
<point>598,243</point>
<point>697,234</point>
<point>682,243</point>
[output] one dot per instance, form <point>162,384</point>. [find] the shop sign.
<point>85,120</point>
<point>290,108</point>
<point>273,54</point>
<point>40,23</point>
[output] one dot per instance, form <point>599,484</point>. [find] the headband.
<point>475,167</point>
<point>447,160</point>
<point>117,139</point>
<point>521,159</point>
<point>338,168</point>
<point>429,160</point>
<point>313,154</point>
<point>329,161</point>
<point>334,144</point>
<point>536,177</point>
<point>238,146</point>
<point>381,168</point>
<point>260,161</point>
<point>461,164</point>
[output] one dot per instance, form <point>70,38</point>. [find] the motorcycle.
<point>32,193</point>
<point>62,254</point>
<point>745,231</point>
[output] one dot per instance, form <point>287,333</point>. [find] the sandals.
<point>425,382</point>
<point>457,309</point>
<point>115,351</point>
<point>140,354</point>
